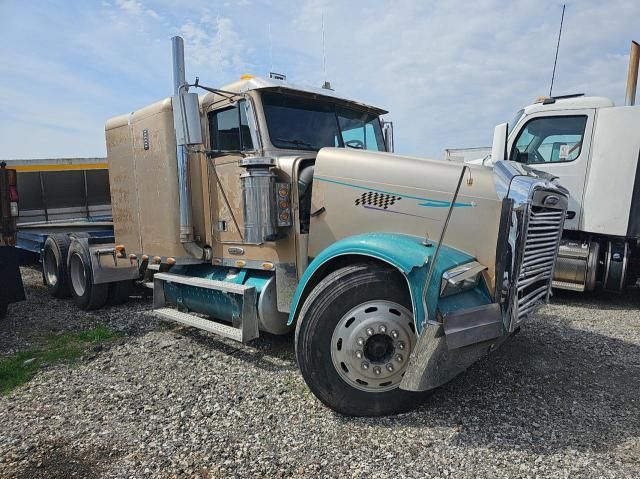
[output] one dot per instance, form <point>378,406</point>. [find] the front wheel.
<point>354,335</point>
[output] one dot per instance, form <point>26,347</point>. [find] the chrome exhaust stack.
<point>186,120</point>
<point>632,76</point>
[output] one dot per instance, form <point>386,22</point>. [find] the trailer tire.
<point>85,293</point>
<point>54,265</point>
<point>327,314</point>
<point>119,292</point>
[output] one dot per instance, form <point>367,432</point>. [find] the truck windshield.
<point>307,124</point>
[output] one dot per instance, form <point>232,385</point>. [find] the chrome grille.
<point>543,231</point>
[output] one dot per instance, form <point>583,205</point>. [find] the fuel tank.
<point>220,305</point>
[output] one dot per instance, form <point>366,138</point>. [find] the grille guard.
<point>533,212</point>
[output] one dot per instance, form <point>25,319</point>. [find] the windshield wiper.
<point>298,143</point>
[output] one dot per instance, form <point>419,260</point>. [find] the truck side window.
<point>229,129</point>
<point>360,130</point>
<point>550,140</point>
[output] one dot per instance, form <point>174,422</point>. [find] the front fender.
<point>406,253</point>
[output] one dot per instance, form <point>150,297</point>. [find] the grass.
<point>65,348</point>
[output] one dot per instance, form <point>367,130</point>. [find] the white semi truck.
<point>592,147</point>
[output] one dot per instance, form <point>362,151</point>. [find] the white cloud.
<point>214,44</point>
<point>448,72</point>
<point>136,7</point>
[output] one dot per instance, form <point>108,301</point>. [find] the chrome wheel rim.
<point>78,274</point>
<point>370,345</point>
<point>50,268</point>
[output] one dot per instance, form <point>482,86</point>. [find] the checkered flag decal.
<point>379,200</point>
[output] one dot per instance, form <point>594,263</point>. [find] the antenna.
<point>555,62</point>
<point>326,84</point>
<point>270,48</point>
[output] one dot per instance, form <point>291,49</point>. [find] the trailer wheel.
<point>85,293</point>
<point>354,335</point>
<point>119,292</point>
<point>54,265</point>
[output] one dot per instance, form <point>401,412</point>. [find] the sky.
<point>447,71</point>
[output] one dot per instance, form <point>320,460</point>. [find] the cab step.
<point>243,329</point>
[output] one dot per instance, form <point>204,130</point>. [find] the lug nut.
<point>365,366</point>
<point>382,328</point>
<point>360,341</point>
<point>394,334</point>
<point>377,370</point>
<point>399,358</point>
<point>369,332</point>
<point>359,354</point>
<point>390,367</point>
<point>400,345</point>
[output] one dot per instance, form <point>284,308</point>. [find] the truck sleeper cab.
<point>264,207</point>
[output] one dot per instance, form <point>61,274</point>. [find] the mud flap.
<point>11,287</point>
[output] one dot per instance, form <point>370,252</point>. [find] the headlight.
<point>461,278</point>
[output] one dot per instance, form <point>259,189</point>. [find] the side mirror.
<point>387,132</point>
<point>499,148</point>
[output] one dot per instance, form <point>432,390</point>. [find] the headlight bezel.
<point>461,278</point>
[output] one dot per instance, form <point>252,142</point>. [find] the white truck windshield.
<point>307,124</point>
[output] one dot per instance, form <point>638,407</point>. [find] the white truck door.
<point>558,143</point>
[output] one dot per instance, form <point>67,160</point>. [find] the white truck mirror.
<point>499,148</point>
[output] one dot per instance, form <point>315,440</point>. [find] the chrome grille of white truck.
<point>544,228</point>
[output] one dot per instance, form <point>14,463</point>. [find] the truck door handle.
<point>571,215</point>
<point>318,212</point>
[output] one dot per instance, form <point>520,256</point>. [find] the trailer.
<point>262,207</point>
<point>464,155</point>
<point>60,196</point>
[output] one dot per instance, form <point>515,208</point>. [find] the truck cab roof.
<point>250,83</point>
<point>569,103</point>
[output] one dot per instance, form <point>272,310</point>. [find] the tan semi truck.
<point>264,207</point>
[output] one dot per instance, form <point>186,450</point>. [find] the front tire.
<point>354,336</point>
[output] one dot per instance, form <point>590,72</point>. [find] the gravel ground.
<point>559,400</point>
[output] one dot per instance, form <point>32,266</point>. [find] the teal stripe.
<point>427,201</point>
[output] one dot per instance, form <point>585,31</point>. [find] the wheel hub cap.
<point>371,344</point>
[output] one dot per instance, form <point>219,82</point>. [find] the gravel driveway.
<point>560,400</point>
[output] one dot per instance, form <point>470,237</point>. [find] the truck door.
<point>229,138</point>
<point>558,143</point>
